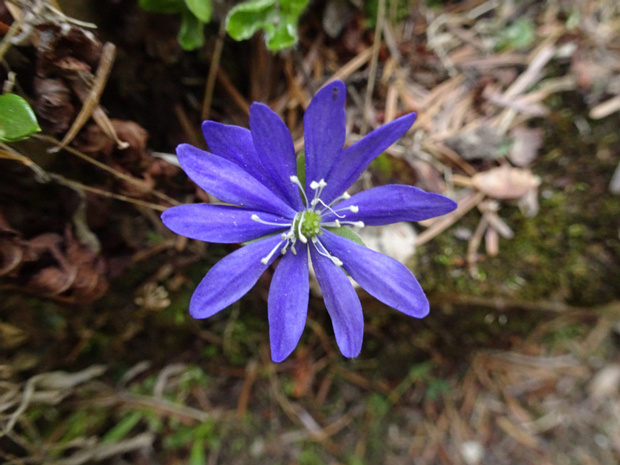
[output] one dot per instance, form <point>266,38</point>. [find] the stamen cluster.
<point>308,223</point>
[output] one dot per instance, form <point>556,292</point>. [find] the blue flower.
<point>255,172</point>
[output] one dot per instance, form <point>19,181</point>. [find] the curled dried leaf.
<point>482,143</point>
<point>52,280</point>
<point>11,254</point>
<point>525,145</point>
<point>53,104</point>
<point>506,182</point>
<point>56,44</point>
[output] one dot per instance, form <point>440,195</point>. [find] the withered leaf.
<point>52,280</point>
<point>53,104</point>
<point>505,182</point>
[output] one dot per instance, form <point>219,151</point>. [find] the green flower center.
<point>307,223</point>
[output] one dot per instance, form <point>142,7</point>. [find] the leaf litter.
<point>544,394</point>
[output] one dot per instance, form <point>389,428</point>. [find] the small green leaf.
<point>519,35</point>
<point>162,6</point>
<point>247,18</point>
<point>301,168</point>
<point>197,455</point>
<point>17,120</point>
<point>277,18</point>
<point>120,431</point>
<point>201,9</point>
<point>347,233</point>
<point>191,35</point>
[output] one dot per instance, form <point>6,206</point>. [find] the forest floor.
<point>519,361</point>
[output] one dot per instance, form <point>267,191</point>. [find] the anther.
<point>327,207</point>
<point>295,180</point>
<point>344,196</point>
<point>358,224</point>
<point>265,260</point>
<point>256,218</point>
<point>318,188</point>
<point>302,238</point>
<point>323,251</point>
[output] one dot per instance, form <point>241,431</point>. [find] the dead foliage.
<point>545,395</point>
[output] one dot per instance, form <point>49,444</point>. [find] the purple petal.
<point>235,144</point>
<point>288,303</point>
<point>324,130</point>
<point>220,223</point>
<point>274,145</point>
<point>228,182</point>
<point>392,204</point>
<point>342,304</point>
<point>356,158</point>
<point>381,276</point>
<point>232,277</point>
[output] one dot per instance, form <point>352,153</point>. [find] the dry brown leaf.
<point>606,382</point>
<point>505,182</point>
<point>53,104</point>
<point>483,142</point>
<point>11,336</point>
<point>525,146</point>
<point>11,254</point>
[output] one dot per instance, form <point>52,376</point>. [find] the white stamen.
<point>352,208</point>
<point>318,188</point>
<point>338,223</point>
<point>316,185</point>
<point>327,207</point>
<point>256,218</point>
<point>344,196</point>
<point>265,260</point>
<point>295,180</point>
<point>302,238</point>
<point>323,251</point>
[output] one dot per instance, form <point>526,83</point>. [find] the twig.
<point>77,185</point>
<point>6,42</point>
<point>109,169</point>
<point>351,66</point>
<point>213,70</point>
<point>9,153</point>
<point>235,95</point>
<point>91,102</point>
<point>372,71</point>
<point>465,205</point>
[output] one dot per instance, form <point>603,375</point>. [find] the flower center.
<point>307,223</point>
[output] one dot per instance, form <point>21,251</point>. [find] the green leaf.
<point>519,35</point>
<point>191,35</point>
<point>197,455</point>
<point>301,168</point>
<point>120,431</point>
<point>347,233</point>
<point>201,9</point>
<point>162,6</point>
<point>17,120</point>
<point>278,19</point>
<point>247,18</point>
